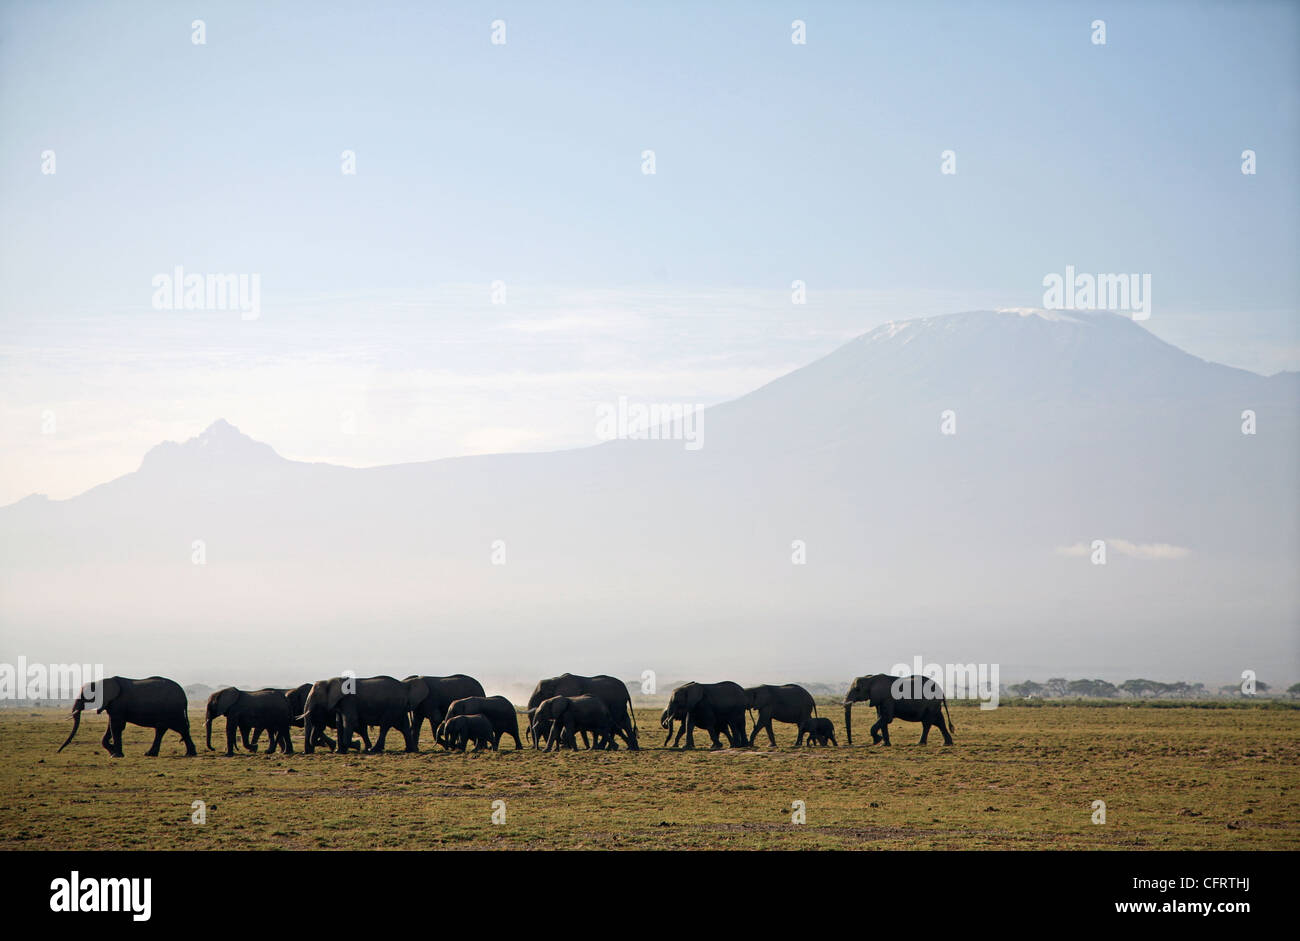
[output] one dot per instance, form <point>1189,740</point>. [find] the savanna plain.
<point>1018,777</point>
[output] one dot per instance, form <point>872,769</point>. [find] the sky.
<point>522,163</point>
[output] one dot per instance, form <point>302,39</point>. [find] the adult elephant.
<point>155,702</point>
<point>560,719</point>
<point>295,710</point>
<point>714,707</point>
<point>911,698</point>
<point>441,692</point>
<point>297,699</point>
<point>608,689</point>
<point>505,720</point>
<point>356,703</point>
<point>788,703</point>
<point>243,710</point>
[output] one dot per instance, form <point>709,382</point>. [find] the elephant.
<point>261,709</point>
<point>250,742</point>
<point>458,731</point>
<point>912,698</point>
<point>608,689</point>
<point>560,718</point>
<point>297,698</point>
<point>355,703</point>
<point>714,707</point>
<point>820,731</point>
<point>505,721</point>
<point>155,702</point>
<point>788,703</point>
<point>442,691</point>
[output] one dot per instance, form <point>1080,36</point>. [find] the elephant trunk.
<point>76,721</point>
<point>848,722</point>
<point>208,729</point>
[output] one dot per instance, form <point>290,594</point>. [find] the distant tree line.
<point>1061,688</point>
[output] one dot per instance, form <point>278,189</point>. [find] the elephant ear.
<point>226,700</point>
<point>107,690</point>
<point>694,693</point>
<point>335,695</point>
<point>417,691</point>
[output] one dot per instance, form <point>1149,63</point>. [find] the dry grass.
<point>1018,778</point>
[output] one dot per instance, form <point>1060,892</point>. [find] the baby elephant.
<point>457,732</point>
<point>818,730</point>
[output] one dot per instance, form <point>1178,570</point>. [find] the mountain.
<point>633,555</point>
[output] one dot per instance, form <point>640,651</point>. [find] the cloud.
<point>1156,551</point>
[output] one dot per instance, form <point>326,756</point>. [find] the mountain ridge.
<point>225,441</point>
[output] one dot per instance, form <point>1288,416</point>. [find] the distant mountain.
<point>633,555</point>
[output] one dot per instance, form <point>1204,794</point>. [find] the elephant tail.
<point>951,727</point>
<point>631,711</point>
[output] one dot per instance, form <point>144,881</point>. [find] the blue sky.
<point>522,162</point>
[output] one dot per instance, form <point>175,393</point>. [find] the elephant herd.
<point>461,714</point>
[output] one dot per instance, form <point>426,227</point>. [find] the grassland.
<point>1018,778</point>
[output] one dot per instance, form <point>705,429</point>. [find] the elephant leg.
<point>118,726</point>
<point>107,740</point>
<point>884,730</point>
<point>231,729</point>
<point>157,740</point>
<point>414,736</point>
<point>689,726</point>
<point>250,745</point>
<point>925,730</point>
<point>182,728</point>
<point>383,737</point>
<point>876,726</point>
